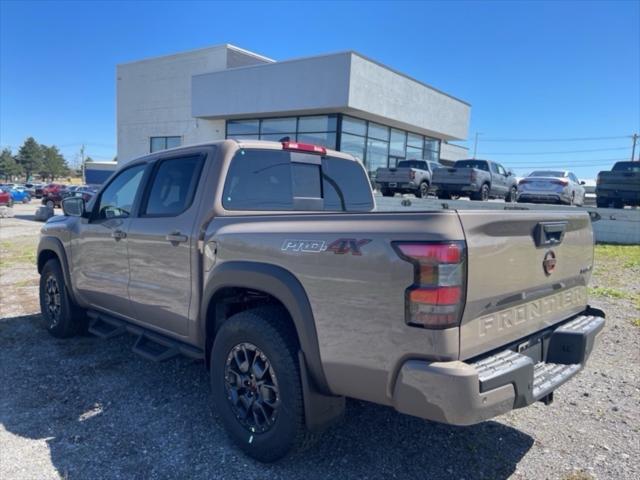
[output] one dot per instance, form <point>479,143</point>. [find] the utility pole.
<point>82,163</point>
<point>633,149</point>
<point>475,145</point>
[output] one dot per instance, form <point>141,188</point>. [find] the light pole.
<point>475,144</point>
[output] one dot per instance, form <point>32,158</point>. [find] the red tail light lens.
<point>561,181</point>
<point>436,297</point>
<point>413,175</point>
<point>473,176</point>
<point>304,147</point>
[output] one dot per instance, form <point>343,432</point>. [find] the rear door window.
<point>281,180</point>
<point>173,186</point>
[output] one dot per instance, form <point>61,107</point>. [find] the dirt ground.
<point>86,408</point>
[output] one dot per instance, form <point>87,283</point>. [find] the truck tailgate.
<point>619,181</point>
<point>510,292</point>
<point>457,176</point>
<point>399,175</point>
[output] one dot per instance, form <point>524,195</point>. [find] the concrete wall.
<point>154,98</point>
<point>342,82</point>
<point>449,153</point>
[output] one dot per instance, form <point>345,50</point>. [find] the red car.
<point>52,194</point>
<point>52,188</point>
<point>5,198</point>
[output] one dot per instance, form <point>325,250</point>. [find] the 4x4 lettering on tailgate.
<point>348,245</point>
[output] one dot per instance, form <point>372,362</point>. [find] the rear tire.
<point>482,195</point>
<point>618,204</point>
<point>62,318</point>
<point>386,192</point>
<point>444,195</point>
<point>254,361</point>
<point>602,203</point>
<point>423,192</point>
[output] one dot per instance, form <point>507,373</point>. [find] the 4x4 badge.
<point>549,262</point>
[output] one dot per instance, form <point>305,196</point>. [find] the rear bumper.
<point>618,194</point>
<point>398,185</point>
<point>456,187</point>
<point>465,393</point>
<point>544,197</point>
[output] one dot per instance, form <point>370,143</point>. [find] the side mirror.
<point>583,182</point>
<point>73,206</point>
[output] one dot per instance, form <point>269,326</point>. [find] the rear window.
<point>280,180</point>
<point>412,164</point>
<point>547,173</point>
<point>479,164</point>
<point>627,167</point>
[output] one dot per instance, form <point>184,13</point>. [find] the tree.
<point>53,163</point>
<point>30,156</point>
<point>8,165</point>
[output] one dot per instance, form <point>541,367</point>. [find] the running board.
<point>149,344</point>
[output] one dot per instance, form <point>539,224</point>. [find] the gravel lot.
<point>86,408</point>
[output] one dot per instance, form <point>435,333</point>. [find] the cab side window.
<point>173,186</point>
<point>117,199</point>
<point>501,170</point>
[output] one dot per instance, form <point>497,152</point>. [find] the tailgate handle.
<point>550,233</point>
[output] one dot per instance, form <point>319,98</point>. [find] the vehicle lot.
<point>88,408</point>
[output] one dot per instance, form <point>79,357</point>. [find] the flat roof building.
<point>344,101</point>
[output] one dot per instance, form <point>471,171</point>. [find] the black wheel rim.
<point>52,301</point>
<point>252,387</point>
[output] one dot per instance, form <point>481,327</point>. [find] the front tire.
<point>255,379</point>
<point>62,318</point>
<point>512,196</point>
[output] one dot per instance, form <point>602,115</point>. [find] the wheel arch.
<point>276,282</point>
<point>51,248</point>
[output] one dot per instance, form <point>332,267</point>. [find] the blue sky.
<point>531,70</point>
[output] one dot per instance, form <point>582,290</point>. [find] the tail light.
<point>436,297</point>
<point>413,174</point>
<point>523,181</point>
<point>561,181</point>
<point>304,147</point>
<point>474,175</point>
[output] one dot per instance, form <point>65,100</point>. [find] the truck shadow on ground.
<point>106,413</point>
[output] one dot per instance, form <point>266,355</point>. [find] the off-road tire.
<point>602,203</point>
<point>386,192</point>
<point>265,329</point>
<point>444,195</point>
<point>423,191</point>
<point>70,320</point>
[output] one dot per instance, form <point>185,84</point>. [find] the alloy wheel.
<point>53,301</point>
<point>252,387</point>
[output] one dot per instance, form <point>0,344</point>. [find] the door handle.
<point>118,234</point>
<point>176,237</point>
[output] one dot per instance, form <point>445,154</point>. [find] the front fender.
<point>53,244</point>
<point>282,285</point>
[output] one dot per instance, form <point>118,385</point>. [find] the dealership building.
<point>344,101</point>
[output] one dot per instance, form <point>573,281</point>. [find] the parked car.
<point>39,190</point>
<point>53,196</point>
<point>477,179</point>
<point>410,176</point>
<point>5,198</point>
<point>20,194</point>
<point>551,186</point>
<point>620,186</point>
<point>296,293</point>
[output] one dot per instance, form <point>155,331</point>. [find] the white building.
<point>344,101</point>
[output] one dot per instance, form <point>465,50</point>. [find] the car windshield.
<point>547,173</point>
<point>479,164</point>
<point>627,167</point>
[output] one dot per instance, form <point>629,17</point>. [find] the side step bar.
<point>149,344</point>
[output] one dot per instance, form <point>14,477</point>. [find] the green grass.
<point>607,292</point>
<point>636,322</point>
<point>628,255</point>
<point>16,252</point>
<point>577,475</point>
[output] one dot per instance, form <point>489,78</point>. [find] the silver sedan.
<point>551,186</point>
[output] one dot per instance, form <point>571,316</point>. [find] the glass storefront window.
<point>278,125</point>
<point>326,139</point>
<point>397,144</point>
<point>279,137</point>
<point>414,140</point>
<point>320,123</point>
<point>353,144</point>
<point>377,155</point>
<point>432,144</point>
<point>243,127</point>
<point>414,153</point>
<point>354,125</point>
<point>378,131</point>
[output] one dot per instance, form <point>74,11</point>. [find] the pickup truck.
<point>620,186</point>
<point>410,176</point>
<point>477,179</point>
<point>269,262</point>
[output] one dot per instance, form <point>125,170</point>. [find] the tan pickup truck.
<point>270,262</point>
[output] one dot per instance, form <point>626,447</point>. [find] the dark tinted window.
<point>412,164</point>
<point>479,164</point>
<point>547,173</point>
<point>173,186</point>
<point>269,180</point>
<point>306,180</point>
<point>627,167</point>
<point>259,180</point>
<point>345,186</point>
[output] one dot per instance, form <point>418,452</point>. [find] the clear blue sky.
<point>531,70</point>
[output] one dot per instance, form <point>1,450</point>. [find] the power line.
<point>575,162</point>
<point>566,139</point>
<point>558,152</point>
